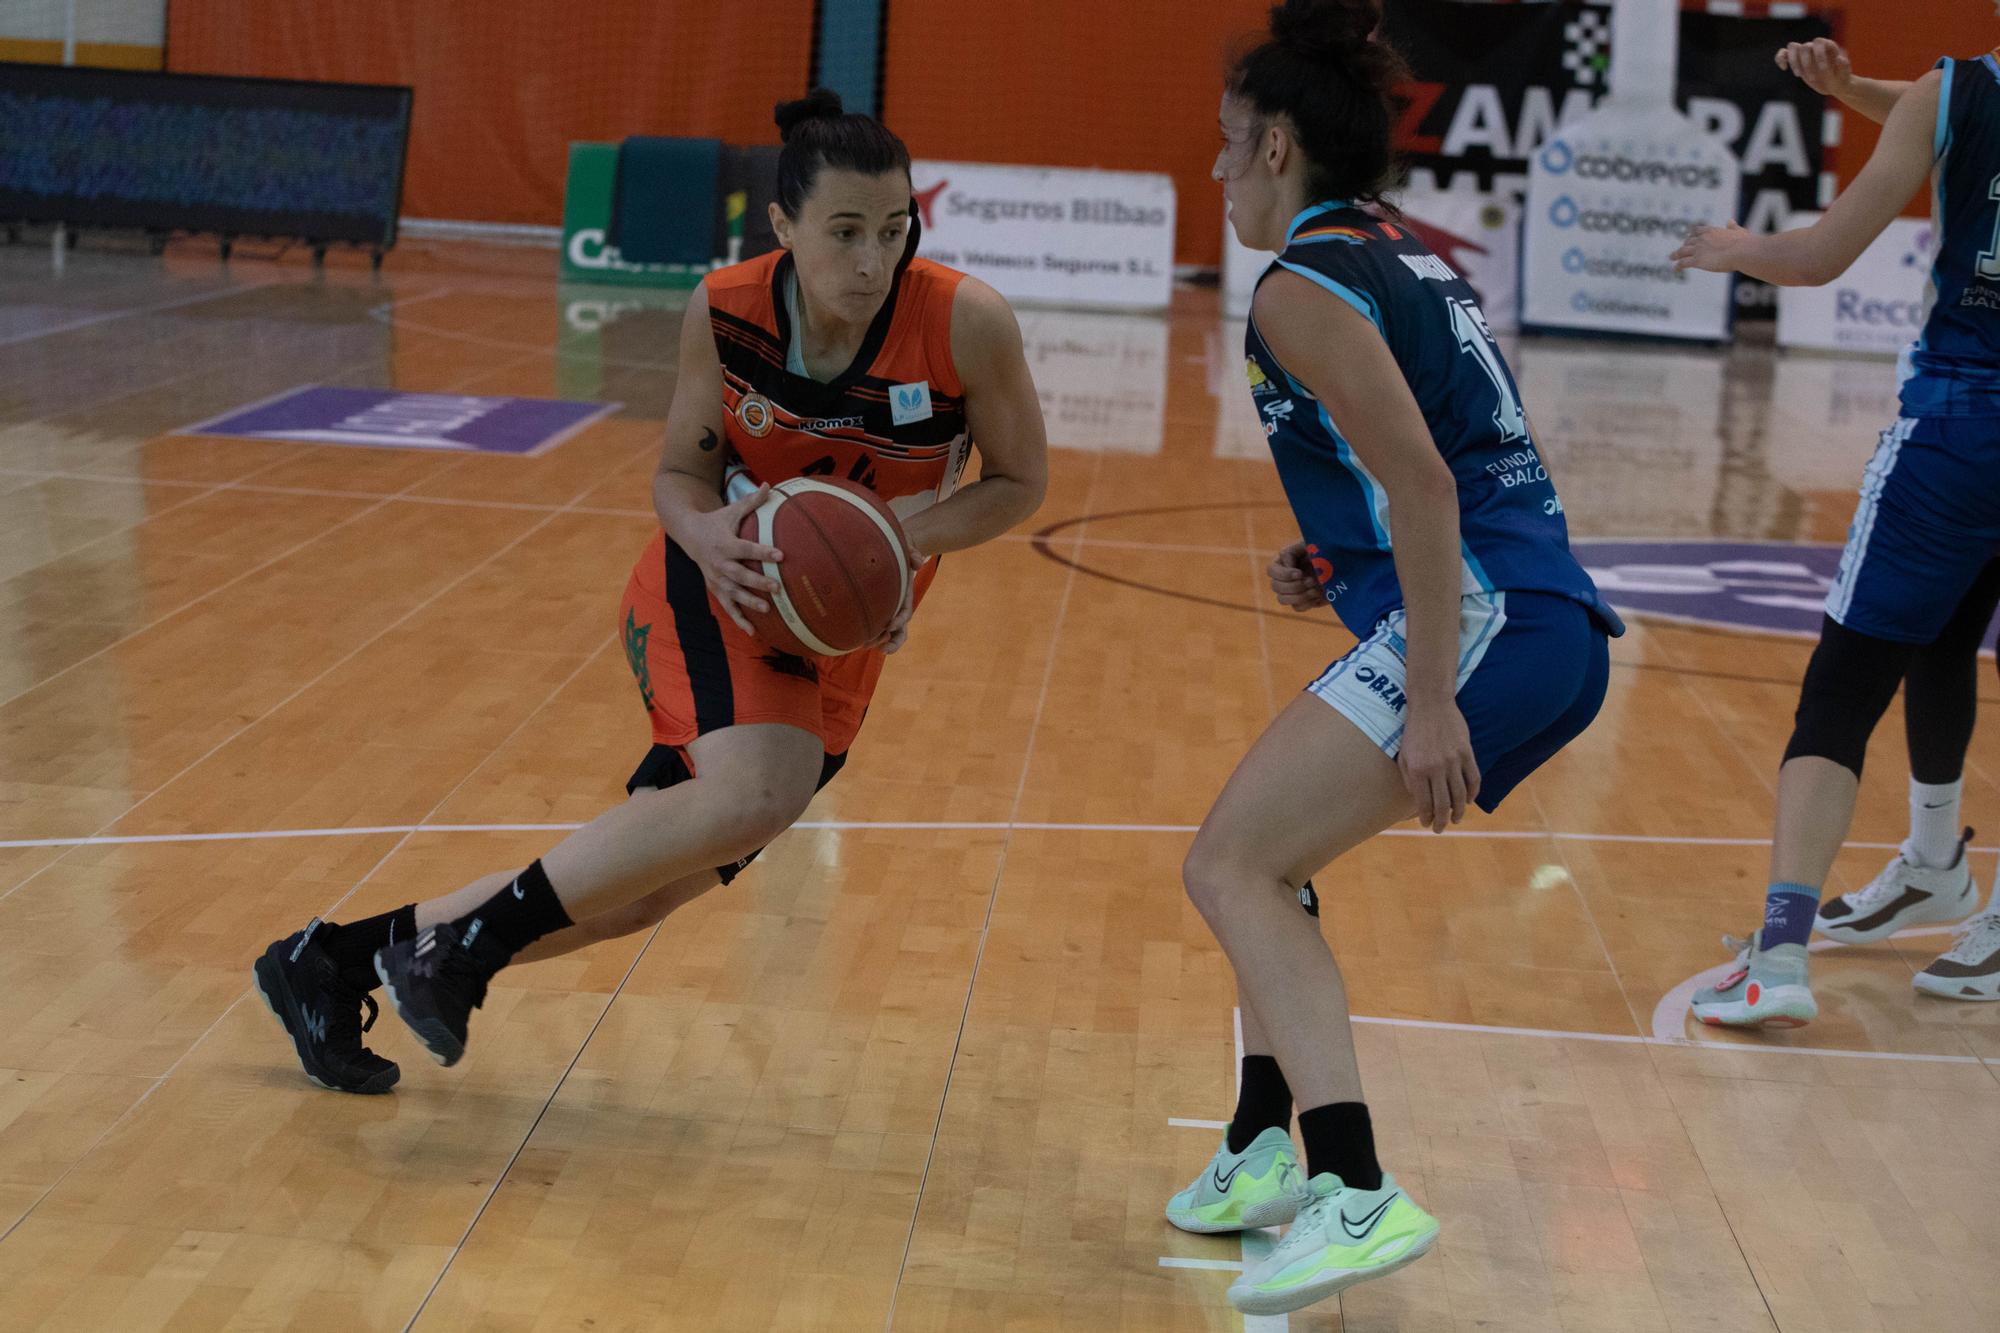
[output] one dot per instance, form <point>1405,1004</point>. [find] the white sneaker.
<point>1262,1186</point>
<point>1971,971</point>
<point>1903,895</point>
<point>1342,1237</point>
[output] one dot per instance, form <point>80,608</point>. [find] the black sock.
<point>514,918</point>
<point>1264,1101</point>
<point>1339,1139</point>
<point>353,945</point>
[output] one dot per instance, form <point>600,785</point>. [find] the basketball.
<point>845,571</point>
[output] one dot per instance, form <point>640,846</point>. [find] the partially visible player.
<point>1928,522</point>
<point>1430,524</point>
<point>1929,879</point>
<point>842,354</point>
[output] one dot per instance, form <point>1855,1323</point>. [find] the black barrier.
<point>322,162</point>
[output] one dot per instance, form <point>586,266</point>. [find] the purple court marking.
<point>1775,587</point>
<point>382,418</point>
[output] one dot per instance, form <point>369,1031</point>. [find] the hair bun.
<point>1325,29</point>
<point>819,104</point>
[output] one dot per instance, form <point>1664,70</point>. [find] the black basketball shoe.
<point>434,982</point>
<point>321,1012</point>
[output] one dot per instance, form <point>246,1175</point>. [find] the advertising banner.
<point>1494,81</point>
<point>1608,200</point>
<point>1053,235</point>
<point>1877,306</point>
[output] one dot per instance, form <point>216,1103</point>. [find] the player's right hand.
<point>731,565</point>
<point>1292,578</point>
<point>1821,63</point>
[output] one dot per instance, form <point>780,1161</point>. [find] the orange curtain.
<point>1058,84</point>
<point>503,89</point>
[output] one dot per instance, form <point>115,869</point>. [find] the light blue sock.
<point>1788,914</point>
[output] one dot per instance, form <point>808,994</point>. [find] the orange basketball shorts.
<point>697,672</point>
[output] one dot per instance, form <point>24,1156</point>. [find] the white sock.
<point>1933,823</point>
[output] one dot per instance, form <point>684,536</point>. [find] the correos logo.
<point>1557,157</point>
<point>1563,212</point>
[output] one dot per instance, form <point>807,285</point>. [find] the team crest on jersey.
<point>754,415</point>
<point>1260,383</point>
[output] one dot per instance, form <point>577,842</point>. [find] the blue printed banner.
<point>448,422</point>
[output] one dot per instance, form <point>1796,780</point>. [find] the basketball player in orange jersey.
<point>842,354</point>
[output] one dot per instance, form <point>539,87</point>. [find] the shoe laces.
<point>1975,938</point>
<point>344,1021</point>
<point>457,969</point>
<point>1306,1226</point>
<point>1883,887</point>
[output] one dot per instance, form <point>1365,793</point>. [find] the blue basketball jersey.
<point>1512,535</point>
<point>1954,370</point>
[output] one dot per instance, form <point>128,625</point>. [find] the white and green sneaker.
<point>1767,989</point>
<point>1342,1237</point>
<point>1262,1186</point>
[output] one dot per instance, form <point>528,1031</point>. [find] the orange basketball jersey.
<point>894,421</point>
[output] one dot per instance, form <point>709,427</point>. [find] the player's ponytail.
<point>818,133</point>
<point>1323,69</point>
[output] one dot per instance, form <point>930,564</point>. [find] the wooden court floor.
<point>937,1062</point>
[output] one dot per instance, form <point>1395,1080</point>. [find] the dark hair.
<point>817,134</point>
<point>1322,71</point>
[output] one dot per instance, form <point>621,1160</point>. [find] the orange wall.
<point>1131,87</point>
<point>502,89</point>
<point>1891,40</point>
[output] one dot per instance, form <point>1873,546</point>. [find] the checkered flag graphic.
<point>1587,42</point>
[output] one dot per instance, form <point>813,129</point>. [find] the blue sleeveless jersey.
<point>1954,370</point>
<point>1512,536</point>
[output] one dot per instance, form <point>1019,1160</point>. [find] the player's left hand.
<point>1711,249</point>
<point>1438,765</point>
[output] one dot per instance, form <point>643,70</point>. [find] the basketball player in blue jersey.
<point>1928,880</point>
<point>1428,521</point>
<point>1928,521</point>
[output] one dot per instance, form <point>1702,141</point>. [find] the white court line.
<point>1220,1265</point>
<point>920,826</point>
<point>1179,1122</point>
<point>127,312</point>
<point>1668,1015</point>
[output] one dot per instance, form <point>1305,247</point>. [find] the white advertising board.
<point>1052,235</point>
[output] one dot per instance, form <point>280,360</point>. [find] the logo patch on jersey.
<point>910,402</point>
<point>1351,235</point>
<point>754,415</point>
<point>1260,383</point>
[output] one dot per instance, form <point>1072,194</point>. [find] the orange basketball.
<point>846,569</point>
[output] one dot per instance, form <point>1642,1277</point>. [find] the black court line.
<point>1043,543</point>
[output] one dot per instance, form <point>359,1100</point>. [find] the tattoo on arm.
<point>708,440</point>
